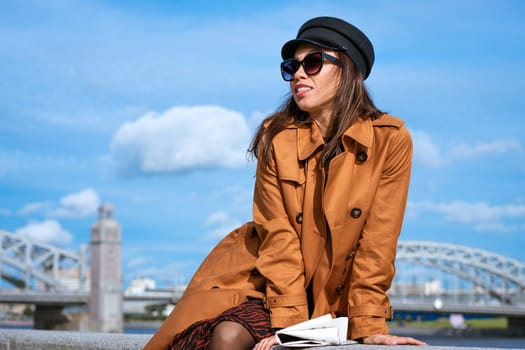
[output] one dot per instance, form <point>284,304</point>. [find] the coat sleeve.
<point>374,264</point>
<point>279,260</point>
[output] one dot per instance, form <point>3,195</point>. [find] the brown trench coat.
<point>335,231</point>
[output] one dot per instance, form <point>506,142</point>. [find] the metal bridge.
<point>479,282</point>
<point>485,282</point>
<point>31,265</point>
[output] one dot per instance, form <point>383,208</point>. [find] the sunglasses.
<point>312,64</point>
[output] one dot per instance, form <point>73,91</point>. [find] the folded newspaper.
<point>323,330</point>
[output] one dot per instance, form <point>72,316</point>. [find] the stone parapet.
<point>11,339</point>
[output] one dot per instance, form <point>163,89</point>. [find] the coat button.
<point>349,255</point>
<point>339,288</point>
<point>361,156</point>
<point>299,218</point>
<point>355,213</point>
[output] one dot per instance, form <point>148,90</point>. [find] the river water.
<point>468,338</point>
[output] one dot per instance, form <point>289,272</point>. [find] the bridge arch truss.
<point>500,277</point>
<point>28,264</point>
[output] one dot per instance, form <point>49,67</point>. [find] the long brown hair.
<point>352,101</point>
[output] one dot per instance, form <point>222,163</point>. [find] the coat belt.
<point>285,300</point>
<point>370,310</point>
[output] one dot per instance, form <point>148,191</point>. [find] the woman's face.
<point>315,93</point>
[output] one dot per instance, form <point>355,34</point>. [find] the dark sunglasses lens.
<point>288,69</point>
<point>313,63</point>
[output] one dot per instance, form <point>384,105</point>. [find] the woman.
<point>331,187</point>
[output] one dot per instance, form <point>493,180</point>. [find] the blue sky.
<point>150,105</point>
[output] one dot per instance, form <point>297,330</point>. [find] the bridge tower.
<point>106,296</point>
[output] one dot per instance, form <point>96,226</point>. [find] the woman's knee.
<point>231,335</point>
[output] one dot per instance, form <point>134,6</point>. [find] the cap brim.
<point>288,49</point>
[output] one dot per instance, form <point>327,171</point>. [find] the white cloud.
<point>257,117</point>
<point>75,205</point>
<point>221,224</point>
<point>36,207</point>
<point>48,231</point>
<point>181,139</point>
<point>481,215</point>
<point>463,151</point>
<point>493,227</point>
<point>217,218</point>
<point>467,213</point>
<point>428,154</point>
<point>426,151</point>
<point>78,205</point>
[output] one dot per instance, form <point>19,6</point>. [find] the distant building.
<point>140,285</point>
<point>416,288</point>
<point>71,279</point>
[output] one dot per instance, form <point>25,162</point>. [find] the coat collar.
<point>310,139</point>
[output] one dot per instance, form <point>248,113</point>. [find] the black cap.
<point>334,34</point>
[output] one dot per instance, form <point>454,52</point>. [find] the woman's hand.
<point>266,343</point>
<point>382,339</point>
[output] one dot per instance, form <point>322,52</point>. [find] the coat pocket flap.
<point>292,174</point>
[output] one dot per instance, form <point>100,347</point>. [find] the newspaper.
<point>323,330</point>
